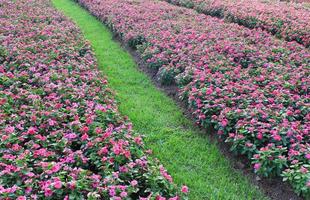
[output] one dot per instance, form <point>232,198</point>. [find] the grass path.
<point>189,157</point>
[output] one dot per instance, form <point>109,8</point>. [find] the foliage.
<point>253,88</point>
<point>62,136</point>
<point>288,21</point>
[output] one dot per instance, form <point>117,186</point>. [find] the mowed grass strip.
<point>188,155</point>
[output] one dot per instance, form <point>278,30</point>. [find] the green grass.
<point>187,154</point>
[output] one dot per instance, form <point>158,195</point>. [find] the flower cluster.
<point>252,87</point>
<point>288,21</point>
<point>62,136</point>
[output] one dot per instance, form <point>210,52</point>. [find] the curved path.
<point>189,156</point>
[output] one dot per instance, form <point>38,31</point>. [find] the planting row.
<point>253,88</point>
<point>288,21</point>
<point>61,134</point>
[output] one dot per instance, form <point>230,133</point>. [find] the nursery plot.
<point>62,136</point>
<point>172,137</point>
<point>252,87</point>
<point>288,21</point>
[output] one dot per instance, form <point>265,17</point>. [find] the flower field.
<point>288,21</point>
<point>252,87</point>
<point>62,136</point>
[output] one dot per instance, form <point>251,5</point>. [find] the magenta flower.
<point>277,137</point>
<point>257,166</point>
<point>84,137</point>
<point>123,194</point>
<point>224,122</point>
<point>57,184</point>
<point>48,192</point>
<point>133,183</point>
<point>71,136</point>
<point>9,129</point>
<point>184,189</point>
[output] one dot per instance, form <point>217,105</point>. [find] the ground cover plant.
<point>62,136</point>
<point>175,141</point>
<point>253,88</point>
<point>288,21</point>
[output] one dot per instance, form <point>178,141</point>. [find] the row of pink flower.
<point>288,21</point>
<point>252,87</point>
<point>61,134</point>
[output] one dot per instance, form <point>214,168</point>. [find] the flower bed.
<point>290,22</point>
<point>253,88</point>
<point>61,134</point>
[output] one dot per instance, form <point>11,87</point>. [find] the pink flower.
<point>98,130</point>
<point>89,121</point>
<point>308,156</point>
<point>112,192</point>
<point>21,198</point>
<point>2,71</point>
<point>209,91</point>
<point>123,194</point>
<point>303,170</point>
<point>257,166</point>
<point>123,169</point>
<point>58,184</point>
<point>55,168</point>
<point>138,140</point>
<point>259,136</point>
<point>184,189</point>
<point>32,131</point>
<point>71,136</point>
<point>48,192</point>
<point>28,190</point>
<point>84,137</point>
<point>51,122</point>
<point>16,147</point>
<point>299,138</point>
<point>133,183</point>
<point>9,129</point>
<point>4,137</point>
<point>72,185</point>
<point>84,129</point>
<point>277,137</point>
<point>224,122</point>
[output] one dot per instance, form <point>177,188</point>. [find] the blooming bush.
<point>288,21</point>
<point>253,88</point>
<point>61,134</point>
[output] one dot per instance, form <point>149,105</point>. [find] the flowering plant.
<point>252,87</point>
<point>288,21</point>
<point>62,136</point>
